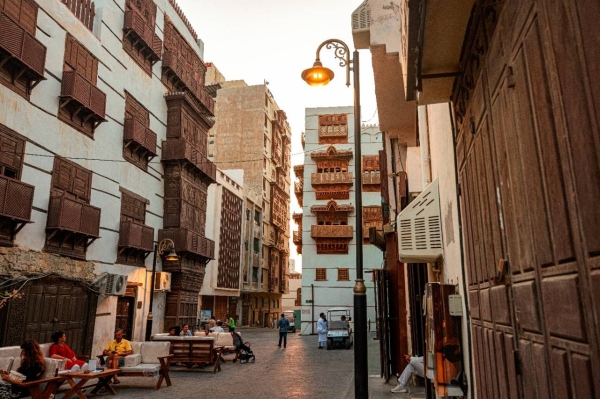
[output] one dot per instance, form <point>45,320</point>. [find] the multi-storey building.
<point>253,134</point>
<point>225,225</point>
<point>103,153</point>
<point>293,299</point>
<point>326,235</point>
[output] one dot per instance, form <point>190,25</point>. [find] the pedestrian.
<point>415,366</point>
<point>212,322</point>
<point>31,366</point>
<point>283,325</point>
<point>230,322</point>
<point>185,331</point>
<point>322,330</point>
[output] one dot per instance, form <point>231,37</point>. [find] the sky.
<point>274,41</point>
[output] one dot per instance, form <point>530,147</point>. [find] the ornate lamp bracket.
<point>165,245</point>
<point>341,51</point>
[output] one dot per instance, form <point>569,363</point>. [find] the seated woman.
<point>60,350</point>
<point>32,367</point>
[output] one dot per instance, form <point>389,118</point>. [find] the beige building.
<point>252,134</point>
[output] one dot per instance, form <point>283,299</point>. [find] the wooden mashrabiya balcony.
<point>143,35</point>
<point>181,150</point>
<point>84,98</point>
<point>16,202</point>
<point>74,217</point>
<point>137,134</point>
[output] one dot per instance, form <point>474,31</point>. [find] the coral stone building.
<point>326,235</point>
<point>103,154</point>
<point>252,133</point>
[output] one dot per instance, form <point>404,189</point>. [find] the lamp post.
<point>160,248</point>
<point>320,76</point>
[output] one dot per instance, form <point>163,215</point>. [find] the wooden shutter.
<point>132,208</point>
<point>71,179</point>
<point>133,109</point>
<point>78,58</point>
<point>24,12</point>
<point>11,152</point>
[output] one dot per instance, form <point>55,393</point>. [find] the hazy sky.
<point>275,40</point>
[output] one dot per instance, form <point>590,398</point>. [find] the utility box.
<point>455,305</point>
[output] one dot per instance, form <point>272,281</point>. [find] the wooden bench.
<point>194,350</point>
<point>35,387</point>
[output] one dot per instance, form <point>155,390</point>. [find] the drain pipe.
<point>424,145</point>
<point>312,312</point>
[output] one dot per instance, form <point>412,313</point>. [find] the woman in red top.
<point>60,350</point>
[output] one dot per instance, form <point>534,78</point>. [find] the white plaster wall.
<point>333,293</point>
<point>441,149</point>
<point>413,169</point>
<point>288,301</point>
<point>47,135</point>
<point>385,24</point>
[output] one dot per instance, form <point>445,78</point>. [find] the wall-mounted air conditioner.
<point>162,281</point>
<point>114,284</point>
<point>361,26</point>
<point>420,228</point>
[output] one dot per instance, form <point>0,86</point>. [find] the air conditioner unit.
<point>115,284</point>
<point>420,228</point>
<point>361,26</point>
<point>162,281</point>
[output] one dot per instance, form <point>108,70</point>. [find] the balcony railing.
<point>22,46</point>
<point>297,237</point>
<point>74,216</point>
<point>331,231</point>
<point>135,132</point>
<point>180,149</point>
<point>16,199</point>
<point>331,178</point>
<point>187,241</point>
<point>371,178</point>
<point>136,235</point>
<point>75,88</point>
<point>142,33</point>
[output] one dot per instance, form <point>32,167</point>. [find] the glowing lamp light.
<point>172,256</point>
<point>318,75</point>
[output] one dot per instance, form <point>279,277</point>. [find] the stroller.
<point>242,350</point>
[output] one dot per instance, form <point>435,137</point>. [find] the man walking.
<point>283,325</point>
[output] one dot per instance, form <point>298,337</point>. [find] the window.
<point>133,207</point>
<point>139,142</point>
<point>343,274</point>
<point>333,129</point>
<point>71,180</point>
<point>321,274</point>
<point>135,239</point>
<point>11,154</point>
<point>82,104</point>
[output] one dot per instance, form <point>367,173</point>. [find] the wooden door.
<point>49,305</point>
<point>527,148</point>
<point>125,307</point>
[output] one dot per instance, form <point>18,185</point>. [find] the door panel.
<point>530,160</point>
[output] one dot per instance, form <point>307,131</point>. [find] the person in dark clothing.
<point>283,325</point>
<point>32,366</point>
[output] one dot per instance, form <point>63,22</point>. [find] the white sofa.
<point>222,339</point>
<point>10,359</point>
<point>149,359</point>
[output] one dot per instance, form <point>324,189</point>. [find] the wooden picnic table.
<point>103,377</point>
<point>34,386</point>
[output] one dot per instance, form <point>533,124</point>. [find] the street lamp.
<point>318,75</point>
<point>165,246</point>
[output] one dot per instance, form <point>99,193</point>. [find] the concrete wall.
<point>333,293</point>
<point>48,136</point>
<point>441,151</point>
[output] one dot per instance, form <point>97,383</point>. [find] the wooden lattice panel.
<point>185,199</point>
<point>230,241</point>
<point>333,129</point>
<point>181,308</point>
<point>321,274</point>
<point>192,70</point>
<point>343,274</point>
<point>280,209</point>
<point>184,121</point>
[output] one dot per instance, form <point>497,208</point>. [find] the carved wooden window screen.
<point>321,274</point>
<point>146,8</point>
<point>71,180</point>
<point>23,12</point>
<point>133,109</point>
<point>78,58</point>
<point>228,275</point>
<point>11,154</point>
<point>370,163</point>
<point>343,274</point>
<point>333,128</point>
<point>372,217</point>
<point>332,166</point>
<point>133,208</point>
<point>194,69</point>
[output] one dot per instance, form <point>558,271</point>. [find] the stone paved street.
<point>300,371</point>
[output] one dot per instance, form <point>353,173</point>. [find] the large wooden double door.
<point>527,111</point>
<point>48,305</point>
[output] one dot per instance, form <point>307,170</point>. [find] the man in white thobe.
<point>322,330</point>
